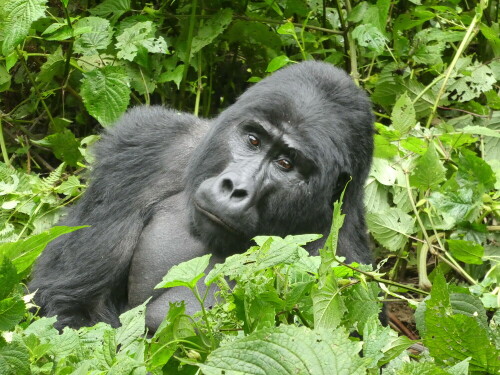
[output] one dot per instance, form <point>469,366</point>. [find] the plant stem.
<point>471,31</point>
<point>2,145</point>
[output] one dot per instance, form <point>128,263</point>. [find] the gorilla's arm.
<point>82,276</point>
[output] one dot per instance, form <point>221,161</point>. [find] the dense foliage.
<point>432,70</point>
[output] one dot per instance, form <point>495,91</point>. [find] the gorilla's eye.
<point>285,164</point>
<point>254,141</point>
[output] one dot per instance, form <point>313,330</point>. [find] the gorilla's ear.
<point>342,180</point>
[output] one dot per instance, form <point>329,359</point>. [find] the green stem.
<point>3,146</point>
<point>205,315</point>
<point>471,31</point>
<point>192,21</point>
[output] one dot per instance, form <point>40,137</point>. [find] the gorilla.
<point>168,186</point>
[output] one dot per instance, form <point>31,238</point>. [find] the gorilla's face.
<point>274,162</point>
<point>260,190</point>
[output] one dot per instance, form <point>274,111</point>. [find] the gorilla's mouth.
<point>216,219</point>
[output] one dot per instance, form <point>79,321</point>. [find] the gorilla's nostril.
<point>227,185</point>
<point>239,193</point>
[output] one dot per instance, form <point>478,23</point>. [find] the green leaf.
<point>391,227</point>
<point>133,326</point>
<point>11,312</point>
<point>18,16</point>
<point>186,274</point>
<point>8,278</point>
<point>111,7</point>
<point>369,36</point>
<point>277,63</point>
<point>211,29</point>
<point>382,344</point>
<point>64,145</point>
<point>429,171</point>
<point>287,350</point>
<point>466,251</point>
<point>4,78</point>
<point>403,114</point>
<point>473,82</point>
<point>472,168</point>
<point>23,253</point>
<point>457,205</point>
<point>97,37</point>
<point>328,306</point>
<point>106,93</point>
<point>139,35</point>
<point>481,130</point>
<point>286,29</point>
<point>14,359</point>
<point>362,304</point>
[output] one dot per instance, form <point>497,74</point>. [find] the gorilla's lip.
<point>216,219</point>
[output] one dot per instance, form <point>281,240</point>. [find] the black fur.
<point>168,186</point>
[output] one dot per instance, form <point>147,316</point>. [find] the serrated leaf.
<point>286,29</point>
<point>328,306</point>
<point>11,312</point>
<point>8,277</point>
<point>64,145</point>
<point>287,350</point>
<point>106,93</point>
<point>481,130</point>
<point>139,35</point>
<point>369,36</point>
<point>211,29</point>
<point>18,16</point>
<point>429,171</point>
<point>98,36</point>
<point>468,86</point>
<point>466,251</point>
<point>403,114</point>
<point>361,302</point>
<point>382,344</point>
<point>462,204</point>
<point>391,227</point>
<point>116,8</point>
<point>133,326</point>
<point>14,359</point>
<point>472,168</point>
<point>186,274</point>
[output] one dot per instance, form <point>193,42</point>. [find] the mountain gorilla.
<point>168,187</point>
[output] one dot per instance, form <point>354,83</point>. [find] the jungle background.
<point>70,68</point>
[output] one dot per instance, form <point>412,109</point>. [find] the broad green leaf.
<point>383,148</point>
<point>111,7</point>
<point>64,145</point>
<point>328,306</point>
<point>391,227</point>
<point>11,312</point>
<point>429,171</point>
<point>457,205</point>
<point>465,87</point>
<point>98,36</point>
<point>384,171</point>
<point>211,29</point>
<point>277,63</point>
<point>403,114</point>
<point>23,253</point>
<point>362,304</point>
<point>133,326</point>
<point>14,359</point>
<point>18,16</point>
<point>382,344</point>
<point>481,130</point>
<point>369,36</point>
<point>472,168</point>
<point>173,75</point>
<point>53,66</point>
<point>8,277</point>
<point>186,274</point>
<point>106,93</point>
<point>287,350</point>
<point>4,78</point>
<point>466,251</point>
<point>70,187</point>
<point>286,29</point>
<point>142,34</point>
